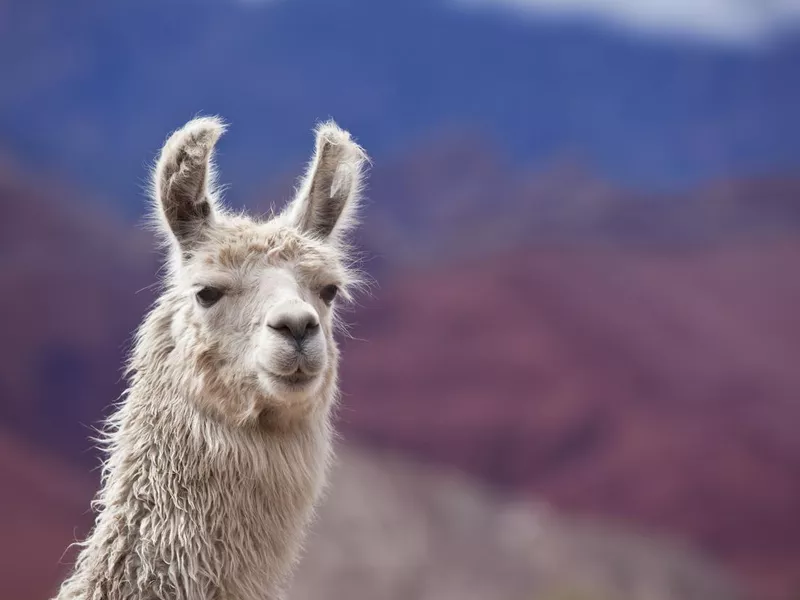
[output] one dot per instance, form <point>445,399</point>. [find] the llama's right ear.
<point>184,177</point>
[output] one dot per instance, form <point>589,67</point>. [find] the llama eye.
<point>328,293</point>
<point>209,296</point>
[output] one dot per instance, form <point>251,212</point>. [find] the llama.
<point>218,450</point>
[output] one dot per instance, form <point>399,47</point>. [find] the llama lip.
<point>298,378</point>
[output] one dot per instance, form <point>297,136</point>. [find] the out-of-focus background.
<point>577,375</point>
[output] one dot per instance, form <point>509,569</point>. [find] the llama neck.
<point>193,507</point>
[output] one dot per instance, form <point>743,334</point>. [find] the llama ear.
<point>327,200</point>
<point>184,177</point>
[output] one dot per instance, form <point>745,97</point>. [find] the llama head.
<point>252,301</point>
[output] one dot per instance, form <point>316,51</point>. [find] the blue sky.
<point>722,21</point>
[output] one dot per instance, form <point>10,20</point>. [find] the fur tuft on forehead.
<point>239,244</point>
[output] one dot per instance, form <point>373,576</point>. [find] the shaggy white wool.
<point>216,455</point>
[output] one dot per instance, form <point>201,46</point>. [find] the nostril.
<point>282,328</point>
<point>306,328</point>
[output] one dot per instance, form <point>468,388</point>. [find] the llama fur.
<point>216,455</point>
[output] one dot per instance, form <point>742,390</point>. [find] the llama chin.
<point>218,452</point>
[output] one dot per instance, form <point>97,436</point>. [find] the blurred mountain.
<point>90,88</point>
<point>657,384</point>
<point>457,195</point>
<point>391,530</point>
<point>76,284</point>
<point>44,507</point>
<point>388,530</point>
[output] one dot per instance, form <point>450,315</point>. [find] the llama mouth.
<point>297,379</point>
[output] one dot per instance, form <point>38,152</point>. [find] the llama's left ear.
<point>326,202</point>
<point>183,178</point>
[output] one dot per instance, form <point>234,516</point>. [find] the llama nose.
<point>297,325</point>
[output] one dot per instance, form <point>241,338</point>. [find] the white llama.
<point>218,451</point>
